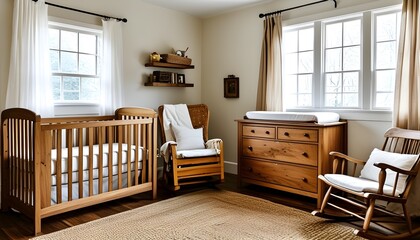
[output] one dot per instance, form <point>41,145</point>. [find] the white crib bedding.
<point>75,154</point>
<point>316,117</point>
<point>75,187</point>
<point>75,175</point>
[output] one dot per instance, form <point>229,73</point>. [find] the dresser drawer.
<point>307,135</point>
<point>282,151</point>
<point>298,177</point>
<point>258,131</point>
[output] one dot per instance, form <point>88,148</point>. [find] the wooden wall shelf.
<point>169,65</point>
<point>162,84</point>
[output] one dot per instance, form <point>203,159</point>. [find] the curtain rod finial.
<point>124,20</point>
<point>261,15</point>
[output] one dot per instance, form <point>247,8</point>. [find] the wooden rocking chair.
<point>182,168</point>
<point>388,175</point>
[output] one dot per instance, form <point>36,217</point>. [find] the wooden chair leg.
<point>407,218</point>
<point>325,200</point>
<point>369,215</point>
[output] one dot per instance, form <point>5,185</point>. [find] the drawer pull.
<point>250,148</point>
<point>305,179</point>
<point>305,154</point>
<point>267,132</point>
<point>253,131</point>
<point>286,133</point>
<point>306,135</point>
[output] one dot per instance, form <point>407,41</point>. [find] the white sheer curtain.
<point>29,83</point>
<point>112,66</point>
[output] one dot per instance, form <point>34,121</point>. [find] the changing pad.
<point>317,117</point>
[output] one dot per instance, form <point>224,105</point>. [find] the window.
<point>75,63</point>
<point>340,64</point>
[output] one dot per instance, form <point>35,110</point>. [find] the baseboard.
<point>231,167</point>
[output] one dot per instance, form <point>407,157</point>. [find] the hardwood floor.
<point>16,226</point>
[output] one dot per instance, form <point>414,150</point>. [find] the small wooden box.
<point>172,58</point>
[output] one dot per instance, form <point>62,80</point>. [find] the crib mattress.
<point>316,117</point>
<point>105,156</point>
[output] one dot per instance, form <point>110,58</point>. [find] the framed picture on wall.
<point>180,78</point>
<point>231,87</point>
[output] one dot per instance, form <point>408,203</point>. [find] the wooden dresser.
<point>288,156</point>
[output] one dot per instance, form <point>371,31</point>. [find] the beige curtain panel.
<point>269,95</point>
<point>406,113</point>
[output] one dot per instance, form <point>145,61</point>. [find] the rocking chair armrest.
<point>384,166</point>
<point>348,158</point>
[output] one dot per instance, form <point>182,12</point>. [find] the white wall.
<point>232,45</point>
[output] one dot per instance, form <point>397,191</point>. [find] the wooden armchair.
<point>182,167</point>
<point>387,176</point>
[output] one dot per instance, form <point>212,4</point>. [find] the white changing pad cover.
<point>317,117</point>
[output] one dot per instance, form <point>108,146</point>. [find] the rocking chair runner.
<point>182,168</point>
<point>388,175</point>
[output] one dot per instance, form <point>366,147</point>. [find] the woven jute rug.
<point>208,214</point>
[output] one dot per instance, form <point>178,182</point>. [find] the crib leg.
<point>37,225</point>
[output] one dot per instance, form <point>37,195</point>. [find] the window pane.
<point>68,41</point>
<point>290,43</point>
<point>54,38</point>
<point>352,33</point>
<point>291,63</point>
<point>305,100</point>
<point>56,85</point>
<point>385,81</point>
<point>54,61</point>
<point>351,82</point>
<point>351,58</point>
<point>71,96</point>
<point>386,27</point>
<point>87,43</point>
<point>290,84</point>
<point>305,83</point>
<point>71,83</point>
<point>90,89</point>
<point>384,100</point>
<point>386,55</point>
<point>69,62</point>
<point>333,60</point>
<point>87,64</point>
<point>333,35</point>
<point>306,39</point>
<point>350,100</point>
<point>333,100</point>
<point>306,62</point>
<point>333,83</point>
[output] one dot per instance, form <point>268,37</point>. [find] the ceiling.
<point>205,8</point>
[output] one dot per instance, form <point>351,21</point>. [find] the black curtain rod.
<point>287,9</point>
<point>82,11</point>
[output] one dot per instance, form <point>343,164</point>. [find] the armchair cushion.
<point>358,184</point>
<point>403,161</point>
<point>188,138</point>
<point>196,153</point>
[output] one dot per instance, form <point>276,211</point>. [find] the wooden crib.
<point>111,157</point>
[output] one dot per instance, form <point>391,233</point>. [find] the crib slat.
<point>69,140</point>
<point>149,153</point>
<point>137,156</point>
<point>90,166</point>
<point>59,168</point>
<point>80,160</point>
<point>145,160</point>
<point>120,136</point>
<point>110,156</point>
<point>101,133</point>
<point>128,137</point>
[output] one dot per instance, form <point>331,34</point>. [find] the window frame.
<point>79,28</point>
<point>366,108</point>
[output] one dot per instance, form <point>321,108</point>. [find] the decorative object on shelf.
<point>182,53</point>
<point>231,87</point>
<point>161,76</point>
<point>173,58</point>
<point>154,57</point>
<point>180,78</point>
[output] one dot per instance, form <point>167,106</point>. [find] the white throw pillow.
<point>403,161</point>
<point>188,138</point>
